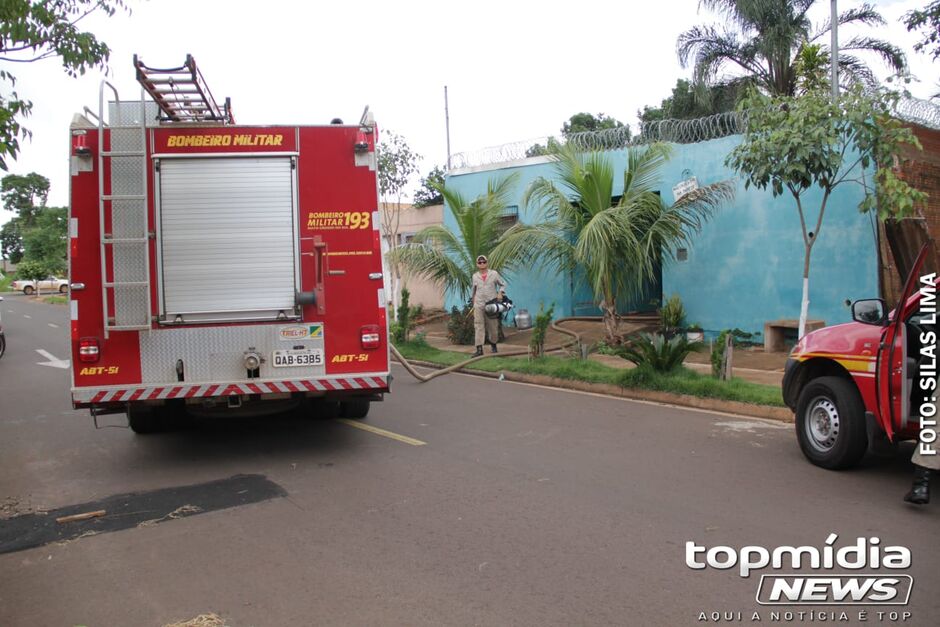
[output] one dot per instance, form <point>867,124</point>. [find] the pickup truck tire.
<point>355,408</point>
<point>63,289</point>
<point>830,423</point>
<point>28,290</point>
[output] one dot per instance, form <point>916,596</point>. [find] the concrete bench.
<point>774,332</point>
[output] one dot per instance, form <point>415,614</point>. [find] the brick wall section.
<point>922,170</point>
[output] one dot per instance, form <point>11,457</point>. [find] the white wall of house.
<point>423,292</point>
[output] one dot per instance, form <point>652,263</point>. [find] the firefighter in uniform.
<point>487,285</point>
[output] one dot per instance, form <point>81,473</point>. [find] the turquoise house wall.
<point>745,267</point>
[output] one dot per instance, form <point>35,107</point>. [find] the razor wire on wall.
<point>911,110</point>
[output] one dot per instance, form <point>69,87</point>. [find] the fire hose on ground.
<point>516,353</point>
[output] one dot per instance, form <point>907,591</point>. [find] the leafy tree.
<point>615,243</point>
<point>929,20</point>
<point>11,240</point>
<point>580,123</point>
<point>538,150</point>
<point>427,194</point>
<point>447,257</point>
<point>763,38</point>
<point>586,122</point>
<point>32,31</point>
<point>47,242</point>
<point>795,144</point>
<point>32,270</point>
<point>26,197</point>
<point>396,165</point>
<point>689,102</point>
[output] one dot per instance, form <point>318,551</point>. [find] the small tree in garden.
<point>32,271</point>
<point>539,330</point>
<point>396,164</point>
<point>795,144</point>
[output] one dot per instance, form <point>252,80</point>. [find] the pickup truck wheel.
<point>830,423</point>
<point>63,289</point>
<point>355,408</point>
<point>28,290</point>
<point>144,419</point>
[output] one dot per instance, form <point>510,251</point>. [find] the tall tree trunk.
<point>611,322</point>
<point>804,307</point>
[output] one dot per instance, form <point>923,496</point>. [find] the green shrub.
<point>460,326</point>
<point>539,328</point>
<point>658,353</point>
<point>402,324</point>
<point>672,314</point>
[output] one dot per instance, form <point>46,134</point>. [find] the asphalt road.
<point>524,506</point>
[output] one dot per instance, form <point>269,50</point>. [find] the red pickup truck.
<point>867,384</point>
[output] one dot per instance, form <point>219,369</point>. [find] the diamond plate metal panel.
<point>128,219</point>
<point>130,305</point>
<point>130,262</point>
<point>213,354</point>
<point>128,113</point>
<point>127,175</point>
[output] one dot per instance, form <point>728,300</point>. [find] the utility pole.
<point>447,122</point>
<point>835,51</point>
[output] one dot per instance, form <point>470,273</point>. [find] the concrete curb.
<point>780,414</point>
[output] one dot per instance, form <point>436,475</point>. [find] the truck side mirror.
<point>869,311</point>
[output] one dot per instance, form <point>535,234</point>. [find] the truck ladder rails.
<point>182,94</point>
<point>122,215</point>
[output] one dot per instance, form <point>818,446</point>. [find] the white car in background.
<point>49,284</point>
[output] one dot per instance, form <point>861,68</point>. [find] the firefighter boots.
<point>492,347</point>
<point>920,490</point>
<point>479,352</point>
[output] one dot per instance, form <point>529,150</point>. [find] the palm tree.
<point>615,244</point>
<point>448,258</point>
<point>765,39</point>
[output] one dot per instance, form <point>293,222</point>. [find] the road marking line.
<point>382,432</point>
<point>54,326</point>
<point>53,362</point>
<point>27,316</point>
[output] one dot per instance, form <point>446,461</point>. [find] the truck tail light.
<point>370,337</point>
<point>88,350</point>
<point>362,142</point>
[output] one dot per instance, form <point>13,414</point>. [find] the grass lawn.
<point>681,381</point>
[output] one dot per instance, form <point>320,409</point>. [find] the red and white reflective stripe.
<point>153,393</point>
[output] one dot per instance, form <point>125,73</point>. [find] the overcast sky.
<point>515,69</point>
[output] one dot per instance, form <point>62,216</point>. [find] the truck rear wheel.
<point>144,419</point>
<point>830,423</point>
<point>355,408</point>
<point>28,290</point>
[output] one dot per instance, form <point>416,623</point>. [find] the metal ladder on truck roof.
<point>122,215</point>
<point>182,94</point>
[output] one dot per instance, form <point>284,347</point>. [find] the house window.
<point>405,238</point>
<point>508,218</point>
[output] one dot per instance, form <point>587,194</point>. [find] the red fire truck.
<point>867,384</point>
<point>218,268</point>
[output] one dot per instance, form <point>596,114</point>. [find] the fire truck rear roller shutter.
<point>227,235</point>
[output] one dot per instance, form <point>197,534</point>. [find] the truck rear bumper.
<point>346,385</point>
